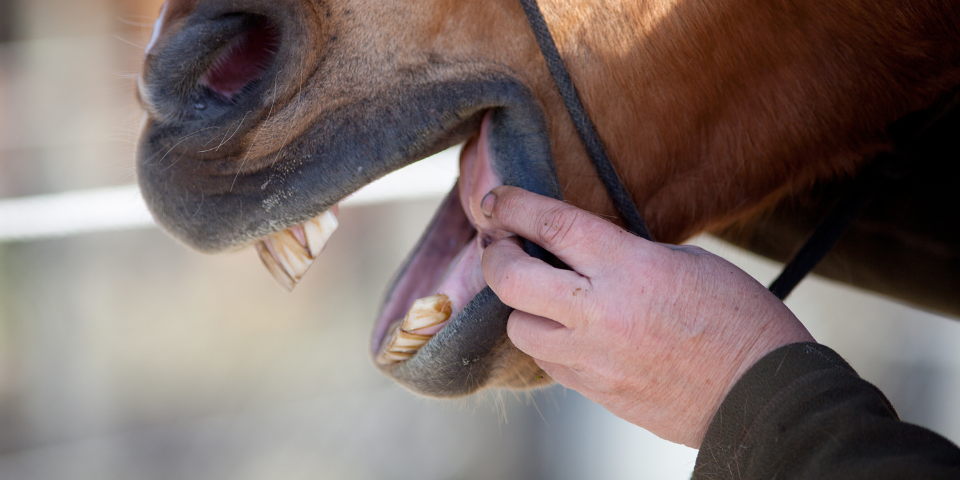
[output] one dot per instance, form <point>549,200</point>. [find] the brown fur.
<point>710,110</point>
<point>782,93</point>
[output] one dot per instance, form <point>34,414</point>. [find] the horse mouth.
<point>444,268</point>
<point>440,276</point>
<point>252,138</point>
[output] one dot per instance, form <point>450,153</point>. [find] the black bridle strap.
<point>852,203</point>
<point>869,183</point>
<point>588,133</point>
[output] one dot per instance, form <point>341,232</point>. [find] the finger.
<point>539,337</point>
<point>583,241</point>
<point>528,284</point>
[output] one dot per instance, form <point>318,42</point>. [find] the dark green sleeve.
<point>803,413</point>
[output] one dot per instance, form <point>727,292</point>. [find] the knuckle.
<point>620,325</point>
<point>516,331</point>
<point>624,328</point>
<point>622,246</point>
<point>510,202</point>
<point>507,282</point>
<point>690,249</point>
<point>555,226</point>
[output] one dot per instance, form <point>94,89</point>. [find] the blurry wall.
<point>128,356</point>
<point>67,112</point>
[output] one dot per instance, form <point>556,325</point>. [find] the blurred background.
<point>124,355</point>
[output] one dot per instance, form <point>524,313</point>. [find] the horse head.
<point>261,116</point>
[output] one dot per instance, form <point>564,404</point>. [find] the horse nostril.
<point>215,72</point>
<point>244,59</point>
<point>206,64</point>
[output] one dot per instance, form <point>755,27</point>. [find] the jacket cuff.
<point>726,442</point>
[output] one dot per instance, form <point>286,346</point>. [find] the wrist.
<point>782,329</point>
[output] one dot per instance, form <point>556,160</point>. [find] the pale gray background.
<point>127,356</point>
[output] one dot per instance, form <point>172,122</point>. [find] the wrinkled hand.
<point>657,334</point>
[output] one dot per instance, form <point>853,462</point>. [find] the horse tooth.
<point>427,312</point>
<point>269,259</point>
<point>318,231</point>
<point>289,253</point>
<point>387,357</point>
<point>390,353</point>
<point>299,235</point>
<point>403,342</point>
<point>285,257</point>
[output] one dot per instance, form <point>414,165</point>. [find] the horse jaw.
<point>228,161</point>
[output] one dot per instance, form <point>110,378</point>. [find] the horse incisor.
<point>717,114</point>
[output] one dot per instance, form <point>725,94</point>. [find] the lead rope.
<point>585,128</point>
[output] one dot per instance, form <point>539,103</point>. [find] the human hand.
<point>657,334</point>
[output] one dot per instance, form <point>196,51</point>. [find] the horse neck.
<point>713,110</point>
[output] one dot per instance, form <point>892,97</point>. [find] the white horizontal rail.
<point>122,208</point>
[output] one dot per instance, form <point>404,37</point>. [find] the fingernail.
<point>487,204</point>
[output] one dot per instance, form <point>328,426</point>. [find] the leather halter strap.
<point>865,188</point>
<point>588,133</point>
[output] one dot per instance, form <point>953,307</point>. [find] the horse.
<point>744,118</point>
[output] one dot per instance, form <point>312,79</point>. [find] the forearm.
<point>802,412</point>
